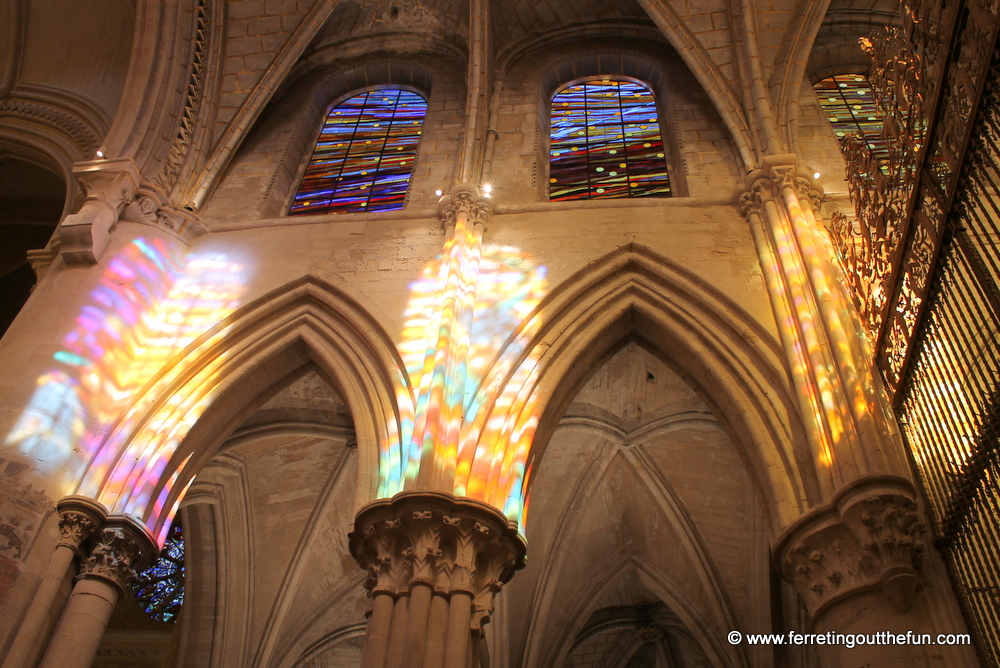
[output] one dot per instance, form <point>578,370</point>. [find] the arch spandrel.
<point>633,292</point>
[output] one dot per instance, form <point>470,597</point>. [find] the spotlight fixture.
<point>487,189</point>
<point>100,153</point>
<point>816,175</point>
<point>437,192</point>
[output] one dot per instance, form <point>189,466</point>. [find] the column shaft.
<point>82,626</point>
<point>379,627</point>
<point>25,650</point>
<point>457,647</point>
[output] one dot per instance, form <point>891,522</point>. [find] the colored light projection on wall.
<point>468,316</point>
<point>849,104</point>
<point>606,142</point>
<point>364,156</point>
<point>151,302</point>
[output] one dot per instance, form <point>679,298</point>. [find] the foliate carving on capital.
<point>874,542</point>
<point>467,202</point>
<point>807,193</point>
<point>451,544</point>
<point>74,528</point>
<point>753,199</point>
<point>783,176</point>
<point>113,557</point>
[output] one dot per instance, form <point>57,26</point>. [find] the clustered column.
<point>121,548</point>
<point>112,549</point>
<point>435,563</point>
<point>79,517</point>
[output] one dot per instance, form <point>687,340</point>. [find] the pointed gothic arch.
<point>228,371</point>
<point>633,292</point>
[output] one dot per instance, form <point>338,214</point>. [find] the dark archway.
<point>32,199</point>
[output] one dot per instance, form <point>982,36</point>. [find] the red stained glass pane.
<point>364,157</point>
<point>606,142</point>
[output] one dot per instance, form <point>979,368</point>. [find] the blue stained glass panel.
<point>365,154</point>
<point>159,589</point>
<point>606,142</point>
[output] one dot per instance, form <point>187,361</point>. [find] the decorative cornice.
<point>870,537</point>
<point>123,548</point>
<point>452,544</point>
<point>464,198</point>
<point>77,130</point>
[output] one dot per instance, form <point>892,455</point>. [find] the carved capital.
<point>870,537</point>
<point>453,544</point>
<point>110,186</point>
<point>121,549</point>
<point>148,208</point>
<point>79,518</point>
<point>808,193</point>
<point>463,199</point>
<point>756,191</point>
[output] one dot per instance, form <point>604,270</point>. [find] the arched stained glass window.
<point>159,589</point>
<point>364,157</point>
<point>606,142</point>
<point>849,105</point>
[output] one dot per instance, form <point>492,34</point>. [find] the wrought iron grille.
<point>950,403</point>
<point>922,258</point>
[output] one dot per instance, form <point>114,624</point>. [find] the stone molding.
<point>110,186</point>
<point>465,199</point>
<point>79,518</point>
<point>870,537</point>
<point>72,126</point>
<point>452,544</point>
<point>123,548</point>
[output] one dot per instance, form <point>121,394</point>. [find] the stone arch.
<point>229,369</point>
<point>633,292</point>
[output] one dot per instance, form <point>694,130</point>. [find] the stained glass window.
<point>606,142</point>
<point>849,105</point>
<point>364,157</point>
<point>160,588</point>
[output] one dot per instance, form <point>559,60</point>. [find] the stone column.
<point>122,548</point>
<point>79,517</point>
<point>435,563</point>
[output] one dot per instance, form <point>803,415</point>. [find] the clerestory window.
<point>849,105</point>
<point>606,142</point>
<point>364,156</point>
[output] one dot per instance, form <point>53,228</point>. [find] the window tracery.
<point>159,589</point>
<point>364,156</point>
<point>606,142</point>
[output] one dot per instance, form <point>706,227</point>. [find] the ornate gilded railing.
<point>922,257</point>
